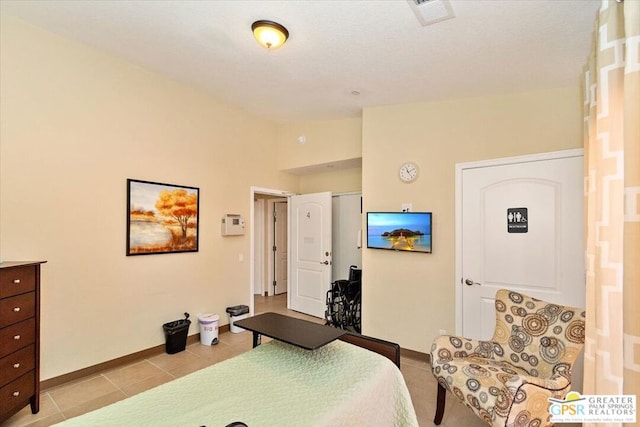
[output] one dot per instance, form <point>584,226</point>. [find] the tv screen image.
<point>399,231</point>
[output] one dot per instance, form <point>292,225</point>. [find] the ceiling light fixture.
<point>269,34</point>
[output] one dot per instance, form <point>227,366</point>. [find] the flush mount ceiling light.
<point>269,34</point>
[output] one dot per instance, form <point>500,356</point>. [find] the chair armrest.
<point>554,383</point>
<point>533,392</point>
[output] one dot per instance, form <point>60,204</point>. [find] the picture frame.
<point>161,218</point>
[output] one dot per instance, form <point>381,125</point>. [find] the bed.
<point>276,384</point>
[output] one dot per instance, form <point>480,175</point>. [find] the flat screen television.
<point>399,231</point>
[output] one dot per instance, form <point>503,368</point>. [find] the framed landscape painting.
<point>161,218</point>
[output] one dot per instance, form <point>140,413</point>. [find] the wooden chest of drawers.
<point>19,337</point>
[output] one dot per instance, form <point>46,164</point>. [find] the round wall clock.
<point>408,172</point>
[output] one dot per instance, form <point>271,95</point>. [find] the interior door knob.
<point>325,262</point>
<point>470,282</point>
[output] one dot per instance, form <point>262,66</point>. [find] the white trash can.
<point>237,312</point>
<point>208,329</point>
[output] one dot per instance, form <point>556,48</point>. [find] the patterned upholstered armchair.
<point>507,381</point>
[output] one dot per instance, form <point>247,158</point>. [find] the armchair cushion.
<point>506,381</point>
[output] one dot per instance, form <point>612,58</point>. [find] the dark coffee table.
<point>298,332</point>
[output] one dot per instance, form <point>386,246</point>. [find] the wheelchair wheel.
<point>336,313</point>
<point>355,313</point>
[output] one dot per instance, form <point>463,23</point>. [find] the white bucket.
<point>208,329</point>
<point>233,328</point>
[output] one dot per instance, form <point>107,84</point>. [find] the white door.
<point>521,229</point>
<point>310,247</point>
<point>280,252</point>
<point>346,234</point>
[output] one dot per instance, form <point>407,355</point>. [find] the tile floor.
<point>86,394</point>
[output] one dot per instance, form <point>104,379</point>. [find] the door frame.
<point>271,243</point>
<point>253,191</point>
<point>460,167</point>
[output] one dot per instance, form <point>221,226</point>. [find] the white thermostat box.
<point>232,225</point>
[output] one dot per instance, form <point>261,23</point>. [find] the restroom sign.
<point>517,220</point>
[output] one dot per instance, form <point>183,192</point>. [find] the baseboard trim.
<point>115,363</point>
<point>412,354</point>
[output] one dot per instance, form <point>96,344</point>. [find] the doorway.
<point>262,234</point>
<point>270,231</point>
<point>278,248</point>
<point>265,264</point>
<point>519,225</point>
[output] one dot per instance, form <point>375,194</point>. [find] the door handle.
<point>470,282</point>
<point>325,262</point>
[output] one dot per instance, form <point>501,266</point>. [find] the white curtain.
<point>612,183</point>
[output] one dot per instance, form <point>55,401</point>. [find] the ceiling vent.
<point>431,11</point>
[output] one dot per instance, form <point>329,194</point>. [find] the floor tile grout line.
<point>55,404</point>
<point>162,369</point>
<point>114,384</point>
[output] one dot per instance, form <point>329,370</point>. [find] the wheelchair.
<point>344,302</point>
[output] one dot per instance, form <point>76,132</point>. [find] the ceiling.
<point>342,55</point>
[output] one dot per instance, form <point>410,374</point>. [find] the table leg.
<point>256,339</point>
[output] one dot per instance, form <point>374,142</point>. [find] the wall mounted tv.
<point>399,231</point>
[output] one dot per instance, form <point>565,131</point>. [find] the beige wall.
<point>75,124</point>
<point>340,181</point>
<point>409,297</point>
<point>326,141</point>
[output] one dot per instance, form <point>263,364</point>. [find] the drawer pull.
<point>16,365</point>
<point>16,393</point>
<point>16,281</point>
<point>16,309</point>
<point>16,337</point>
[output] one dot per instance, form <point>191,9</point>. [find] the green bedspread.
<point>275,384</point>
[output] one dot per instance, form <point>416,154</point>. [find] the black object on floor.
<point>176,334</point>
<point>344,302</point>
